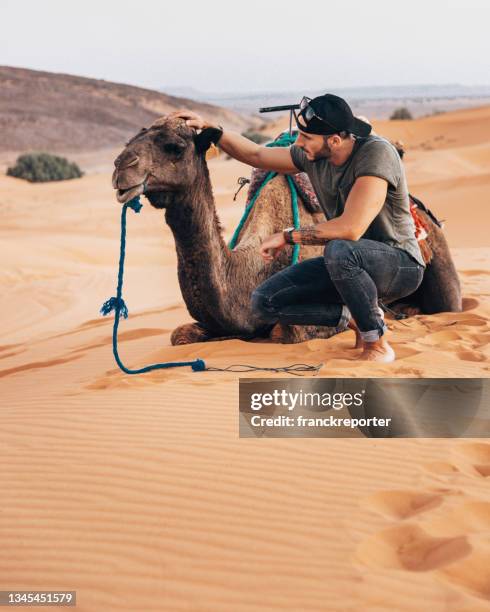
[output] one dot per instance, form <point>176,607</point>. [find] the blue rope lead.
<point>294,206</point>
<point>117,304</point>
<point>236,234</point>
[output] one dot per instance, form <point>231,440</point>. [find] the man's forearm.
<point>321,233</point>
<point>308,234</point>
<point>239,147</point>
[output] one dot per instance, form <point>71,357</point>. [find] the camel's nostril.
<point>126,160</point>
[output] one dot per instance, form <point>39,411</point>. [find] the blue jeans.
<point>347,281</point>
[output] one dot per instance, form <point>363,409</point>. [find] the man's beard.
<point>325,152</point>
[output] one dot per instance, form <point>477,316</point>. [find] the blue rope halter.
<point>117,304</point>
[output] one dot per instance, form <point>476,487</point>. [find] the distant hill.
<point>62,113</point>
<point>375,101</point>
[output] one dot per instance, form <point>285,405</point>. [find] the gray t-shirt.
<point>371,156</point>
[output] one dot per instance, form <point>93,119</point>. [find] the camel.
<point>167,163</point>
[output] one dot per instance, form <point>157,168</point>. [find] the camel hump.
<point>301,183</point>
<point>271,210</point>
<point>440,290</point>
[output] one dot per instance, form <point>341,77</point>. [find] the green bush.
<point>401,113</point>
<point>43,167</point>
<point>256,137</point>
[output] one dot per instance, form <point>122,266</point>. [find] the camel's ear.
<point>160,121</point>
<point>205,138</point>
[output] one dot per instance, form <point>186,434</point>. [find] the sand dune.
<point>453,129</point>
<point>460,128</point>
<point>136,491</point>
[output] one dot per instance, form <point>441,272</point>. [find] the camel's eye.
<point>174,148</point>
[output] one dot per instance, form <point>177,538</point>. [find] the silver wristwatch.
<point>288,234</point>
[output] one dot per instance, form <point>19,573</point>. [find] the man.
<point>370,248</point>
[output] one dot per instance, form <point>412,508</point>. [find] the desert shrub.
<point>43,167</point>
<point>256,137</point>
<point>401,113</point>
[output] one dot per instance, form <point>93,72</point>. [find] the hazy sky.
<point>249,46</point>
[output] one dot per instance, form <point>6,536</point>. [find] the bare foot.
<point>379,351</point>
<point>359,340</point>
<point>353,325</point>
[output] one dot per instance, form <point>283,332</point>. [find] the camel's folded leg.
<point>195,332</point>
<point>283,334</point>
<point>292,334</point>
<point>190,333</point>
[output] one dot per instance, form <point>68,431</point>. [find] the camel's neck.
<point>201,249</point>
<point>195,224</point>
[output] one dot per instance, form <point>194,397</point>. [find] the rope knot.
<point>198,365</point>
<point>116,304</point>
<point>135,204</point>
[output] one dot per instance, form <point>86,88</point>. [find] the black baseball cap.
<point>329,114</point>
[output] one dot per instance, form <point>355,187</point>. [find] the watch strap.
<point>288,235</point>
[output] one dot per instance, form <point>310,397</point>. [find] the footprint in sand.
<point>471,459</point>
<point>408,547</point>
<point>402,504</point>
<point>476,457</point>
<point>441,531</point>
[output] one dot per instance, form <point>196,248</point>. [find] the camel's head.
<point>163,162</point>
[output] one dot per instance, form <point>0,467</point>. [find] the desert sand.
<point>137,491</point>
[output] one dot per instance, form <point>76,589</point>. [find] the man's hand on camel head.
<point>192,119</point>
<point>272,246</point>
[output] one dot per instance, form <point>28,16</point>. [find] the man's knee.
<point>337,252</point>
<point>341,259</point>
<point>262,306</point>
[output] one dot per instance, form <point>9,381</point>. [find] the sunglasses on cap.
<point>309,116</point>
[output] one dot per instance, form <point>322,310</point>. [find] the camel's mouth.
<point>124,195</point>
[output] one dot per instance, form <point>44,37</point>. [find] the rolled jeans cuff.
<point>345,317</point>
<point>373,334</point>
